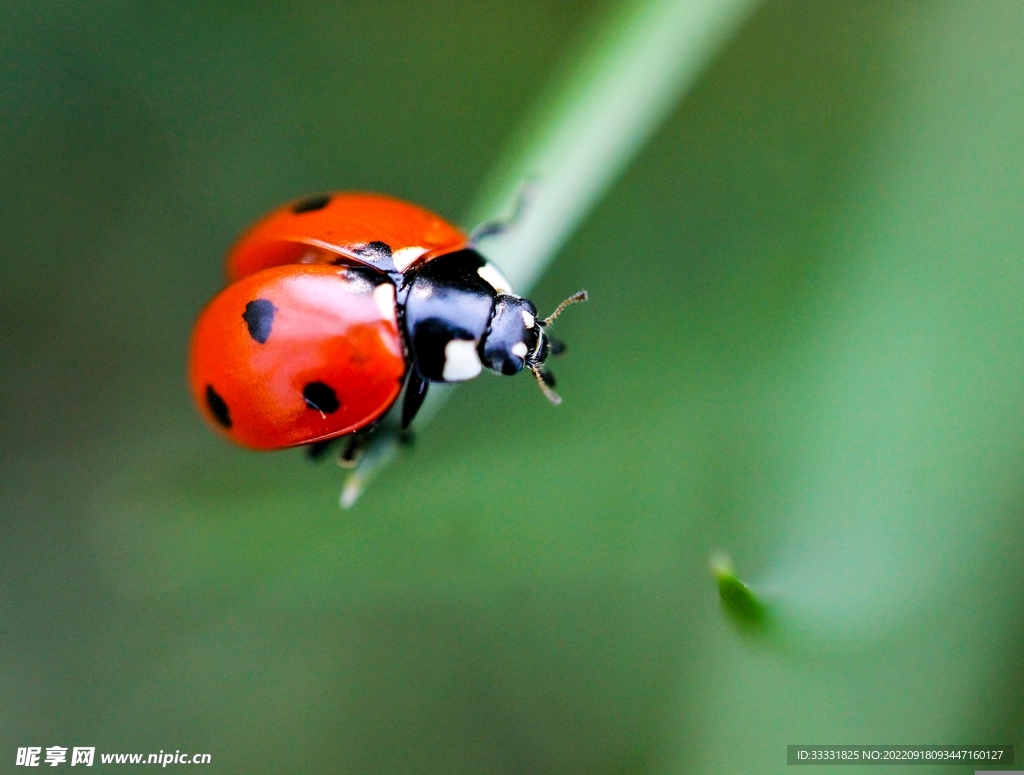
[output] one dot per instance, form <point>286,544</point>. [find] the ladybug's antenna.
<point>575,298</point>
<point>545,379</point>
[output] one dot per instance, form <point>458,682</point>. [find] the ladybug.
<point>337,303</point>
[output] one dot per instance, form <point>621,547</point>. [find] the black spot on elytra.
<point>309,204</point>
<point>259,317</point>
<point>218,407</point>
<point>375,251</point>
<point>321,397</point>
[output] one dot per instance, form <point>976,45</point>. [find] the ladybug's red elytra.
<point>338,302</point>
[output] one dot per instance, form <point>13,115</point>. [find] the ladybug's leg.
<point>415,392</point>
<point>494,228</point>
<point>349,454</point>
<point>557,346</point>
<point>318,449</point>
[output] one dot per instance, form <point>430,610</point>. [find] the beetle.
<point>336,303</point>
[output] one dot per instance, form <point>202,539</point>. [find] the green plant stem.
<point>617,86</point>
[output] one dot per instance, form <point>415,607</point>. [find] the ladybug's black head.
<point>516,338</point>
<point>512,335</point>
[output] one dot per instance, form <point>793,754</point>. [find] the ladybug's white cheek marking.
<point>520,348</point>
<point>528,320</point>
<point>461,361</point>
<point>403,257</point>
<point>491,275</point>
<point>384,296</point>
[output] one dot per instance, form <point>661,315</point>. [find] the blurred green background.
<point>805,347</point>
